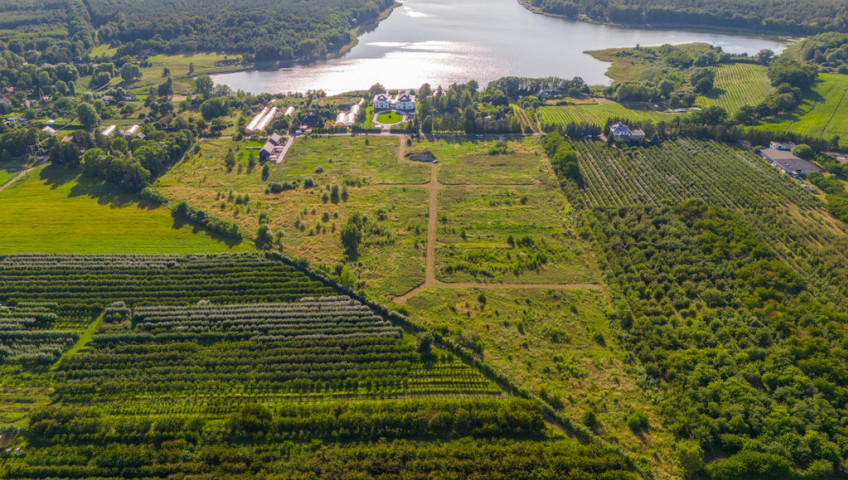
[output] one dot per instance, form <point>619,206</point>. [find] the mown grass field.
<point>373,159</point>
<point>55,211</point>
<point>389,117</point>
<point>487,217</point>
<point>737,85</point>
<point>598,114</point>
<point>557,344</point>
<point>5,176</point>
<point>204,63</point>
<point>464,161</point>
<point>821,117</point>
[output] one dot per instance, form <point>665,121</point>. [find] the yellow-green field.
<point>598,114</point>
<point>391,194</point>
<point>559,345</point>
<point>476,223</point>
<point>823,116</point>
<point>737,85</point>
<point>55,211</point>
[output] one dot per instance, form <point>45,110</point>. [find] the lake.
<point>453,41</point>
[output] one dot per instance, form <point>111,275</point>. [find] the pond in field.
<point>445,41</point>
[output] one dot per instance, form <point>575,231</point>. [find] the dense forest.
<point>266,30</point>
<point>828,51</point>
<point>780,17</point>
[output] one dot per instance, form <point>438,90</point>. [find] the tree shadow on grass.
<point>715,93</point>
<point>104,193</point>
<point>180,222</point>
<point>56,175</point>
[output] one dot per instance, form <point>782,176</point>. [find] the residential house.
<point>272,148</point>
<point>621,131</point>
<point>313,119</point>
<point>266,152</point>
<point>381,102</point>
<point>405,101</point>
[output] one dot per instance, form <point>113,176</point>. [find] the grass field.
<point>204,63</point>
<point>468,162</point>
<point>55,211</point>
<point>557,344</point>
<point>598,114</point>
<point>488,216</point>
<point>392,258</point>
<point>343,157</point>
<point>822,117</point>
<point>6,175</point>
<point>387,118</point>
<point>737,85</point>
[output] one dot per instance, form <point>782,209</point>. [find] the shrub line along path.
<point>430,280</point>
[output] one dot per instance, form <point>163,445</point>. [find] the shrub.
<point>638,422</point>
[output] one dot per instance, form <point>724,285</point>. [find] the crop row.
<point>739,84</point>
<point>596,114</point>
<point>310,317</point>
<point>28,336</point>
<point>680,170</point>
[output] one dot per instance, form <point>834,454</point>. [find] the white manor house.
<point>402,101</point>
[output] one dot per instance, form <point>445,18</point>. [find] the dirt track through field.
<point>430,280</point>
<point>21,175</point>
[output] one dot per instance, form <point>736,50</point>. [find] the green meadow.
<point>821,116</point>
<point>54,210</point>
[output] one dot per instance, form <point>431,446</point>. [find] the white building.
<point>382,102</point>
<point>620,131</point>
<point>405,101</point>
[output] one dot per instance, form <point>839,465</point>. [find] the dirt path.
<point>432,224</point>
<point>286,147</point>
<point>21,175</point>
<point>430,280</point>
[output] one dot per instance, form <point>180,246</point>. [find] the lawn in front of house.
<point>387,118</point>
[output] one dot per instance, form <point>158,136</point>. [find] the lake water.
<point>446,41</point>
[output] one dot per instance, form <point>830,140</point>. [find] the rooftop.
<point>789,162</point>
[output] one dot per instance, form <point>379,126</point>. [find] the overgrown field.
<point>367,177</point>
<point>509,234</point>
<point>56,210</point>
<point>560,344</point>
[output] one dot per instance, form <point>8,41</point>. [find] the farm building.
<point>109,130</point>
<point>783,146</point>
<point>289,111</point>
<point>620,131</point>
<point>789,163</point>
<point>130,131</point>
<point>49,129</point>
